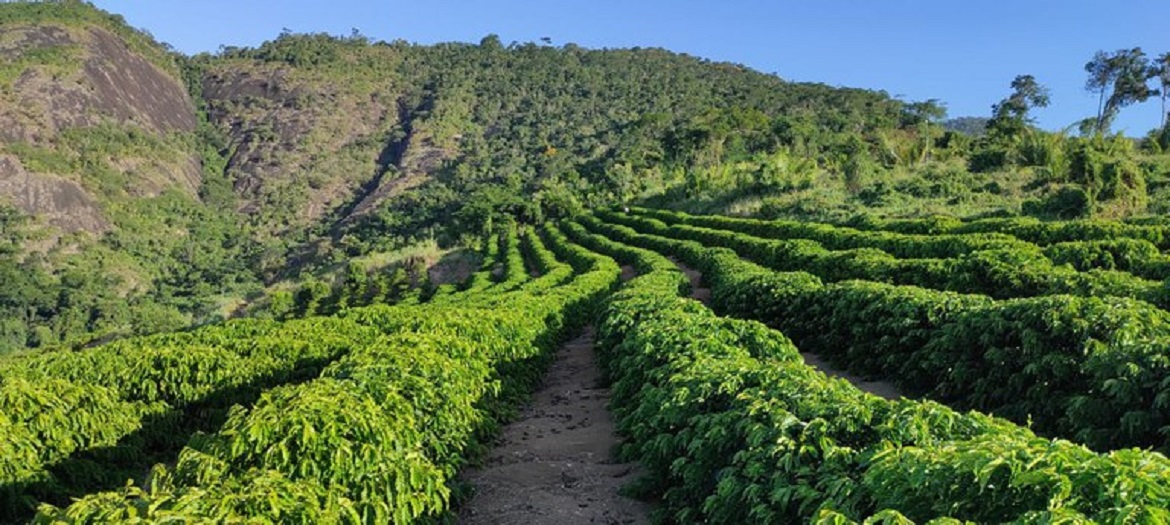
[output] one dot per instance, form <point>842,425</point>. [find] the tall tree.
<point>1101,76</point>
<point>1009,116</point>
<point>1162,66</point>
<point>1120,79</point>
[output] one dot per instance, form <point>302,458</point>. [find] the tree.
<point>1119,79</point>
<point>915,113</point>
<point>1010,115</point>
<point>491,41</point>
<point>1162,67</point>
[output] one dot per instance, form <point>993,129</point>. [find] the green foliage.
<point>1010,116</point>
<point>1107,170</point>
<point>161,268</point>
<point>1120,78</point>
<point>85,14</point>
<point>59,60</point>
<point>375,438</point>
<point>1065,202</point>
<point>1045,360</point>
<point>617,125</point>
<point>733,428</point>
<point>998,267</point>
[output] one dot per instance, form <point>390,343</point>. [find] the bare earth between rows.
<point>877,388</point>
<point>554,465</point>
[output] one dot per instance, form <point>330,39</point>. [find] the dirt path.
<point>554,464</point>
<point>878,388</point>
<point>698,292</point>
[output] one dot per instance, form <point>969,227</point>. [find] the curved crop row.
<point>376,438</point>
<point>552,271</point>
<point>1000,274</point>
<point>1093,369</point>
<point>732,427</point>
<point>1027,229</point>
<point>515,271</point>
<point>838,238</point>
<point>1135,256</point>
<point>141,394</point>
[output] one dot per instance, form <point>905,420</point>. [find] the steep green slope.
<point>391,139</point>
<point>100,182</point>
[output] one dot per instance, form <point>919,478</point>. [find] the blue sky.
<point>963,53</point>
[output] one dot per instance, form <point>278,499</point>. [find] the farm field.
<point>484,264</point>
<point>369,415</point>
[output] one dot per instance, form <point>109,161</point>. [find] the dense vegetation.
<point>729,422</point>
<point>359,388</point>
<point>734,428</point>
<point>453,140</point>
<point>416,385</point>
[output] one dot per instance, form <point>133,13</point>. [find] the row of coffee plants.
<point>544,262</point>
<point>1028,229</point>
<point>515,269</point>
<point>73,420</point>
<point>1136,256</point>
<point>732,427</point>
<point>899,245</point>
<point>1096,370</point>
<point>498,251</point>
<point>378,435</point>
<point>1001,274</point>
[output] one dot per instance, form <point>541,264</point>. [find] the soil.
<point>698,291</point>
<point>878,388</point>
<point>453,267</point>
<point>555,463</point>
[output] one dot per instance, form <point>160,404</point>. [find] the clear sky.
<point>964,53</point>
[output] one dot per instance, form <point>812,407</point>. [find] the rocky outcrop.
<point>64,81</point>
<point>295,134</point>
<point>57,201</point>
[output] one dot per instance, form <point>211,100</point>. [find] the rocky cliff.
<point>86,121</point>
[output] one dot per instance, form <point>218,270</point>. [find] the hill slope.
<point>86,119</point>
<point>143,190</point>
<point>101,176</point>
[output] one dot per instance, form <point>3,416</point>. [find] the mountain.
<point>144,190</point>
<point>88,116</point>
<point>339,129</point>
<point>101,175</point>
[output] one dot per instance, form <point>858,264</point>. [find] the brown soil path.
<point>628,272</point>
<point>878,388</point>
<point>554,464</point>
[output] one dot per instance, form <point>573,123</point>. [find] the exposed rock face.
<point>131,90</point>
<point>76,79</point>
<point>409,163</point>
<point>60,202</point>
<point>294,133</point>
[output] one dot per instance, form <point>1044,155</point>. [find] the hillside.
<point>101,177</point>
<point>88,119</point>
<point>143,190</point>
<point>319,126</point>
